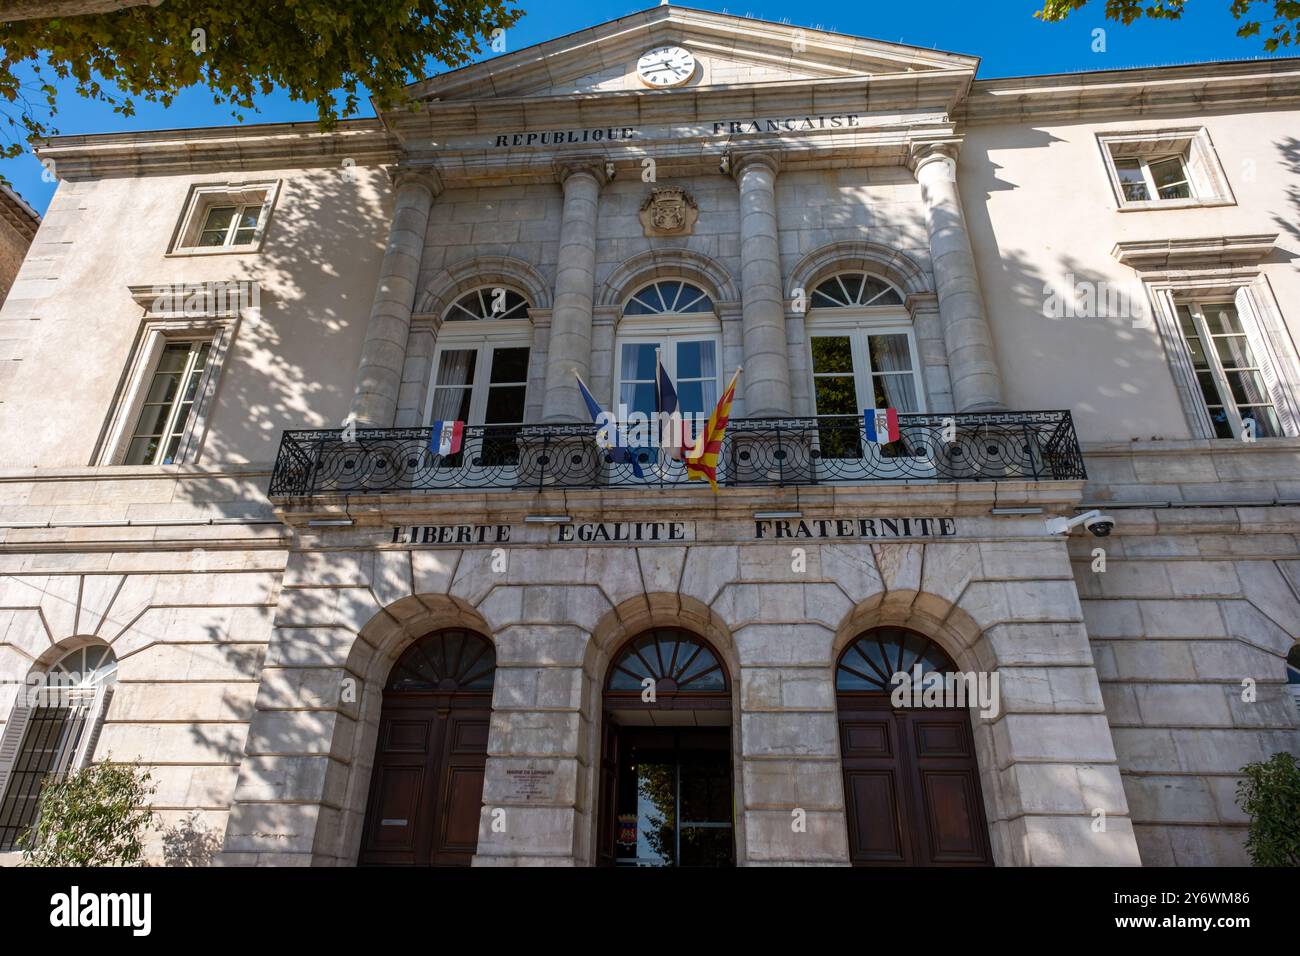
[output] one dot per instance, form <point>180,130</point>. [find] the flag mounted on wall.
<point>881,425</point>
<point>447,437</point>
<point>704,462</point>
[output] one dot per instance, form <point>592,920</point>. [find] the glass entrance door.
<point>673,805</point>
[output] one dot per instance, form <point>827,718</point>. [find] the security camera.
<point>1099,524</point>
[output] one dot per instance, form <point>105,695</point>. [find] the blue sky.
<point>1010,41</point>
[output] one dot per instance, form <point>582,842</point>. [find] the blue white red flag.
<point>447,437</point>
<point>881,425</point>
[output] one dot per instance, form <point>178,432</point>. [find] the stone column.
<point>379,375</point>
<point>575,279</point>
<point>766,379</point>
<point>976,382</point>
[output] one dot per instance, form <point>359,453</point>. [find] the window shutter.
<point>90,730</point>
<point>1259,344</point>
<point>1180,358</point>
<point>11,742</point>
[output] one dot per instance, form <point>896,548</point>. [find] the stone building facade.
<point>1079,293</point>
<point>18,223</point>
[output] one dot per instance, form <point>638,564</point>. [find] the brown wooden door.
<point>427,785</point>
<point>911,785</point>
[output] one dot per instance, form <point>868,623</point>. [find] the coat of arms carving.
<point>669,211</point>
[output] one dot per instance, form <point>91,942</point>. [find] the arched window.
<point>676,660</point>
<point>489,302</point>
<point>669,297</point>
<point>678,320</point>
<point>854,290</point>
<point>864,355</point>
<point>445,662</point>
<point>870,662</point>
<point>480,363</point>
<point>52,729</point>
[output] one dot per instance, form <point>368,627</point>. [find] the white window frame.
<point>204,197</point>
<point>1196,308</point>
<point>483,335</point>
<point>667,331</point>
<point>158,330</point>
<point>857,323</point>
<point>1205,177</point>
<point>1149,179</point>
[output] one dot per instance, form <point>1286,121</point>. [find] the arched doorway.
<point>426,789</point>
<point>911,782</point>
<point>666,768</point>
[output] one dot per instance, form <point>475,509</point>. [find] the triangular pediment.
<point>729,50</point>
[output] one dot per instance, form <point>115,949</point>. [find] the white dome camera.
<point>1099,524</point>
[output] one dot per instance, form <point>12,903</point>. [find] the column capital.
<point>405,174</point>
<point>921,153</point>
<point>739,161</point>
<point>597,167</point>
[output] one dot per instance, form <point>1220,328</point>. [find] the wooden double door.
<point>426,789</point>
<point>911,785</point>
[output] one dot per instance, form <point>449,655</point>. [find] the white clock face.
<point>666,66</point>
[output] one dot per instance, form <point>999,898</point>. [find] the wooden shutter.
<point>11,742</point>
<point>90,729</point>
<point>1258,338</point>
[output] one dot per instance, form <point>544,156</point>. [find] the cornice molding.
<point>1126,94</point>
<point>221,149</point>
<point>1162,254</point>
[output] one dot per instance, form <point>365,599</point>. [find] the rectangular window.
<point>1231,380</point>
<point>1156,168</point>
<point>225,217</point>
<point>483,384</point>
<point>168,403</point>
<point>858,369</point>
<point>230,225</point>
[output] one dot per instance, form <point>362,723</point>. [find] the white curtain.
<point>453,377</point>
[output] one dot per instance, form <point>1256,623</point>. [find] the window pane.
<point>219,217</point>
<point>836,395</point>
<point>1247,388</point>
<point>1171,178</point>
<point>162,389</point>
<point>639,397</point>
<point>510,365</point>
<point>1198,353</point>
<point>451,404</point>
<point>456,367</point>
<point>690,397</point>
<point>1223,318</point>
<point>1209,390</point>
<point>174,358</point>
<point>153,419</point>
<point>141,451</point>
<point>895,391</point>
<point>1234,351</point>
<point>248,219</point>
<point>1132,180</point>
<point>1219,418</point>
<point>889,353</point>
<point>691,358</point>
<point>1265,419</point>
<point>832,353</point>
<point>169,457</point>
<point>639,362</point>
<point>505,405</point>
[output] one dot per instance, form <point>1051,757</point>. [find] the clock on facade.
<point>666,66</point>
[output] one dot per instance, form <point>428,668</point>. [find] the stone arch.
<point>630,275</point>
<point>461,277</point>
<point>857,254</point>
<point>624,622</point>
<point>958,634</point>
<point>378,645</point>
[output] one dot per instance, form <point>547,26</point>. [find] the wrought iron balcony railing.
<point>772,451</point>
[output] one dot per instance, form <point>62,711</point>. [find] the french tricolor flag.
<point>446,437</point>
<point>881,424</point>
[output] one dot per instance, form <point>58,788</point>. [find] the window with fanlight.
<point>480,369</point>
<point>677,321</point>
<point>863,352</point>
<point>870,663</point>
<point>52,730</point>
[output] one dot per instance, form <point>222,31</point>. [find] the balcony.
<point>775,452</point>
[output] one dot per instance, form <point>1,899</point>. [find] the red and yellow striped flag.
<point>703,460</point>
